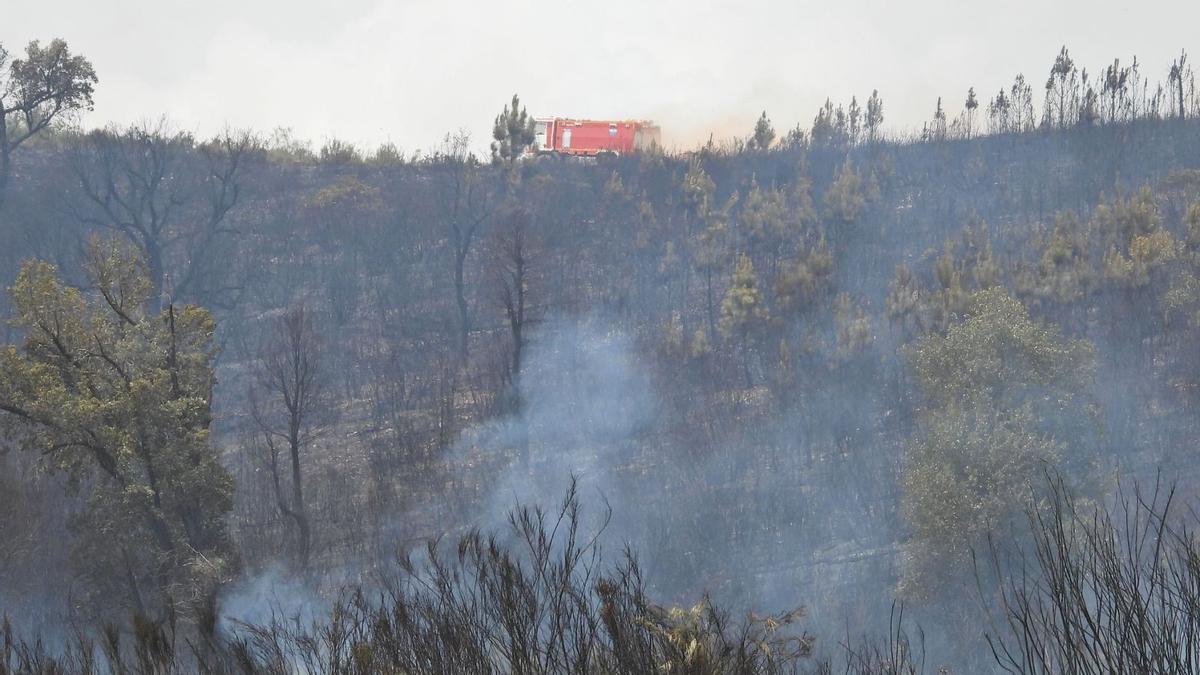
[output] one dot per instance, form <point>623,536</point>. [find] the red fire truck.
<point>590,138</point>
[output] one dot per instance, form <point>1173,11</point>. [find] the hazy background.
<point>369,71</point>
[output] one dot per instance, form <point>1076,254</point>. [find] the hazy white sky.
<point>411,70</point>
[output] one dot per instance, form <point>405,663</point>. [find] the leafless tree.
<point>464,202</point>
<point>1178,78</point>
<point>143,183</point>
<point>512,268</point>
<point>1104,590</point>
<point>285,406</point>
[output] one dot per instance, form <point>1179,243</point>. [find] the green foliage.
<point>336,151</point>
<point>949,300</point>
<point>801,282</point>
<point>121,401</point>
<point>957,274</point>
<point>1063,273</point>
<point>774,219</point>
<point>998,353</point>
<point>710,246</point>
<point>845,199</point>
<point>1001,395</point>
<point>387,154</point>
<point>37,90</point>
<point>698,190</point>
<point>1122,219</point>
<point>764,134</point>
<point>400,265</point>
<point>1183,299</point>
<point>1137,246</point>
<point>829,129</point>
<point>765,217</point>
<point>742,308</point>
<point>1193,229</point>
<point>969,473</point>
<point>694,641</point>
<point>854,331</point>
<point>512,132</point>
<point>346,194</point>
<point>699,345</point>
<point>48,82</point>
<point>536,597</point>
<point>1146,254</point>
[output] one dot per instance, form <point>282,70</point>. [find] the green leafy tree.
<point>1002,399</point>
<point>761,214</point>
<point>1181,307</point>
<point>829,128</point>
<point>698,191</point>
<point>120,400</point>
<point>743,312</point>
<point>1183,299</point>
<point>949,300</point>
<point>958,274</point>
<point>1063,274</point>
<point>742,306</point>
<point>512,132</point>
<point>802,281</point>
<point>846,197</point>
<point>1137,246</point>
<point>48,83</point>
<point>770,221</point>
<point>764,133</point>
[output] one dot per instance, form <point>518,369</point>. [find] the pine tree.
<point>874,119</point>
<point>845,198</point>
<point>512,133</point>
<point>998,113</point>
<point>764,134</point>
<point>971,105</point>
<point>855,120</point>
<point>1062,91</point>
<point>742,311</point>
<point>938,130</point>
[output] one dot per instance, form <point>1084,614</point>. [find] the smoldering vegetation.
<point>829,399</point>
<point>546,602</point>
